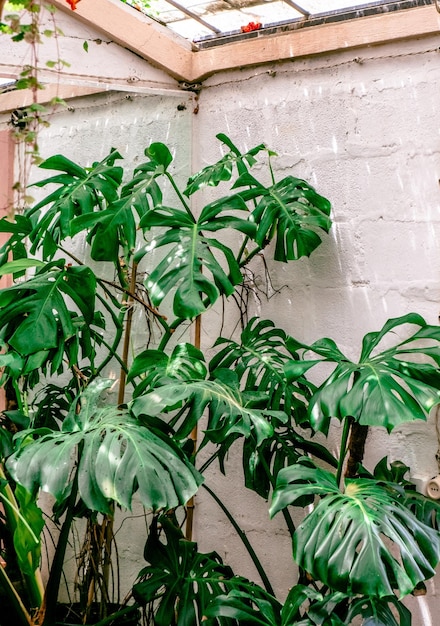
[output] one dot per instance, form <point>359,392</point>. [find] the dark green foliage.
<point>366,542</point>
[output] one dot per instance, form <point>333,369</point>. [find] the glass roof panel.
<point>199,20</point>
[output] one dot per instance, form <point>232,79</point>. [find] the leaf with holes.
<point>193,266</point>
<point>360,541</point>
<point>155,368</point>
<point>291,212</point>
<point>34,315</point>
<point>222,170</point>
<point>114,455</point>
<point>382,389</point>
<point>179,580</point>
<point>80,190</point>
<point>259,361</point>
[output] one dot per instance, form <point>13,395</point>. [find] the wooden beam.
<point>160,47</point>
<point>7,177</point>
<point>17,99</point>
<point>305,42</point>
<point>135,31</point>
<point>163,49</point>
<point>6,203</point>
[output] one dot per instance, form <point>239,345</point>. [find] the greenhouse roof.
<point>192,40</point>
<point>212,22</point>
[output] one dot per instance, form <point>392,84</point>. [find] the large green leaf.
<point>291,212</point>
<point>79,191</point>
<point>228,412</point>
<point>179,580</point>
<point>387,388</point>
<point>30,524</point>
<point>113,229</point>
<point>262,463</point>
<point>36,319</point>
<point>247,607</point>
<point>115,455</point>
<point>190,267</point>
<point>259,361</point>
<point>18,230</point>
<point>156,368</point>
<point>380,612</point>
<point>360,541</point>
<point>223,169</point>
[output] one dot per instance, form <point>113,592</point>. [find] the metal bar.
<point>297,8</point>
<point>194,16</point>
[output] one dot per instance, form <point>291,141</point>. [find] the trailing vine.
<point>26,21</point>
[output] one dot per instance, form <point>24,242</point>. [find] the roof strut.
<point>194,16</point>
<point>297,8</point>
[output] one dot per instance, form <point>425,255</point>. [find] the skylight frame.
<point>303,15</point>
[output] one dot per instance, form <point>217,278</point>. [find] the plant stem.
<point>256,561</point>
<point>250,256</point>
<point>48,611</point>
<point>180,196</point>
<point>127,337</point>
<point>343,452</point>
<point>21,613</point>
<point>193,436</point>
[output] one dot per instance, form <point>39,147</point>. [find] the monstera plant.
<point>95,443</point>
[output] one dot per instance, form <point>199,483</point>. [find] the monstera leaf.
<point>35,312</point>
<point>228,412</point>
<point>114,227</point>
<point>382,389</point>
<point>291,212</point>
<point>259,361</point>
<point>113,454</point>
<point>223,169</point>
<point>190,266</point>
<point>18,230</point>
<point>179,580</point>
<point>359,541</point>
<point>79,191</point>
<point>282,449</point>
<point>29,526</point>
<point>251,606</point>
<point>156,368</point>
<point>380,612</point>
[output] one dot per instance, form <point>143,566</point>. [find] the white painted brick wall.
<point>366,134</point>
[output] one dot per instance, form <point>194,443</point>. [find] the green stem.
<point>250,256</point>
<point>54,581</point>
<point>114,616</point>
<point>256,561</point>
<point>33,582</point>
<point>21,613</point>
<point>242,249</point>
<point>271,169</point>
<point>180,196</point>
<point>169,332</point>
<point>287,517</point>
<point>343,451</point>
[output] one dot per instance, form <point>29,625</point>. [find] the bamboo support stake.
<point>193,436</point>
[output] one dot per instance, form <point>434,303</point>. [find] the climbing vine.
<point>32,22</point>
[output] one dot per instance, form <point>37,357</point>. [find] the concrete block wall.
<point>362,127</point>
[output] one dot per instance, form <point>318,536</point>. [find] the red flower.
<point>250,27</point>
<point>72,3</point>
